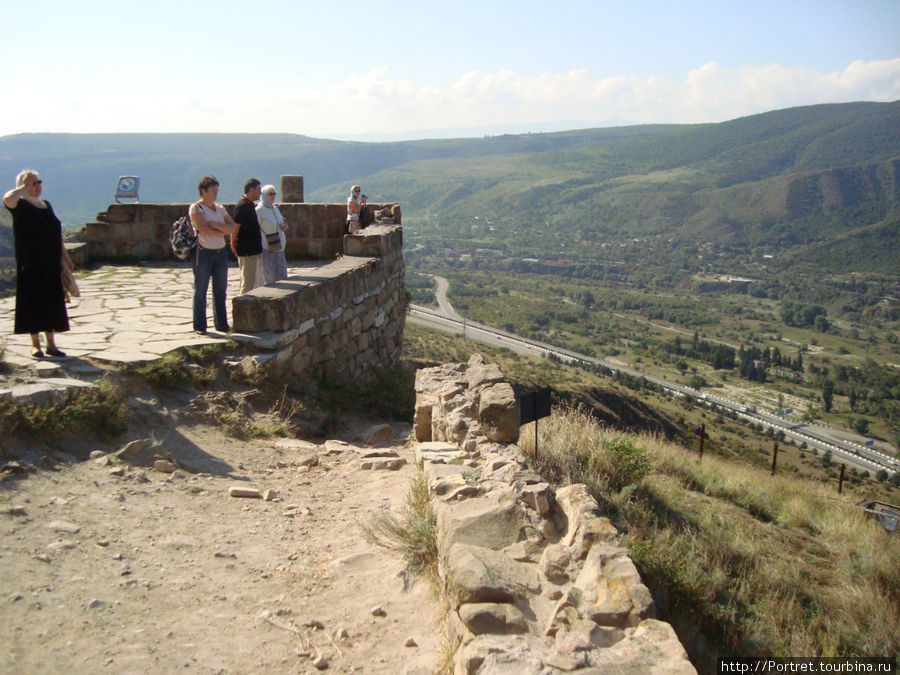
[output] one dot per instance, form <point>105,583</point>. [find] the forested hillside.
<point>785,183</point>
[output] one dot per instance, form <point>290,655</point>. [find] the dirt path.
<point>107,567</point>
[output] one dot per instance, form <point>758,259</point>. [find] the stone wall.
<point>344,314</point>
<point>341,317</point>
<point>535,579</point>
<point>141,231</point>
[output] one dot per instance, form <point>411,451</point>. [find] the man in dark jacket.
<point>246,242</point>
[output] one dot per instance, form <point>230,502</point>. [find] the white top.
<point>270,222</point>
<point>214,241</point>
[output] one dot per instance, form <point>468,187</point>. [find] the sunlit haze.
<point>400,69</point>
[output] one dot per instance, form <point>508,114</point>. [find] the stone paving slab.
<point>131,314</point>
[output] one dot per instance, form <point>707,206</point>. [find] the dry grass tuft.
<point>412,534</point>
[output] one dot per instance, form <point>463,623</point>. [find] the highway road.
<point>859,456</point>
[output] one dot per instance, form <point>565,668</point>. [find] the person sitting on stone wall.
<point>355,204</point>
<point>273,227</point>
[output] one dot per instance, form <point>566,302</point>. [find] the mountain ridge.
<point>814,171</point>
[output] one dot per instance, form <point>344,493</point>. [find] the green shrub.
<point>623,461</point>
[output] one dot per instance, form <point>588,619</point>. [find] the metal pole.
<point>841,479</point>
<point>774,457</point>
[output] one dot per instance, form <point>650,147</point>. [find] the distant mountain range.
<point>822,178</point>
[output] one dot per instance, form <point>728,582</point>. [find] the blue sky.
<point>398,69</point>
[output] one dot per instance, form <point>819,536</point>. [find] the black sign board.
<point>534,405</point>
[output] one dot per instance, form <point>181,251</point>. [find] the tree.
<point>861,424</point>
<point>827,395</point>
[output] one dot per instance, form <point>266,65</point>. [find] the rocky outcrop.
<point>459,404</point>
<point>535,580</point>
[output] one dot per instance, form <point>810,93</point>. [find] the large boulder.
<point>498,413</point>
<point>480,575</point>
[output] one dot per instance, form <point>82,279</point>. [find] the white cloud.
<point>378,101</point>
<point>709,93</point>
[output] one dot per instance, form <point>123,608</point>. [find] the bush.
<point>622,461</point>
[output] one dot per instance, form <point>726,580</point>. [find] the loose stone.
<point>61,545</point>
<point>165,466</point>
<point>248,493</point>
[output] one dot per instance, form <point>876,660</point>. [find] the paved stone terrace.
<point>127,314</point>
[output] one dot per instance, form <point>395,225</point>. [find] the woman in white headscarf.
<point>273,227</point>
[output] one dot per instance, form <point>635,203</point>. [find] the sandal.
<point>53,351</point>
<point>37,353</point>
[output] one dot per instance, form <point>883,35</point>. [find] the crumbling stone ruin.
<point>536,581</point>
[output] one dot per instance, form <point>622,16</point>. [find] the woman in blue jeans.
<point>211,222</point>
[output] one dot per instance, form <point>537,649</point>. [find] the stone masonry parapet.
<point>535,580</point>
<point>128,231</point>
<point>344,317</point>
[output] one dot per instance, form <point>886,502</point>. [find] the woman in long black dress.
<point>40,254</point>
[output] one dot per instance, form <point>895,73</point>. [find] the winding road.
<point>864,458</point>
